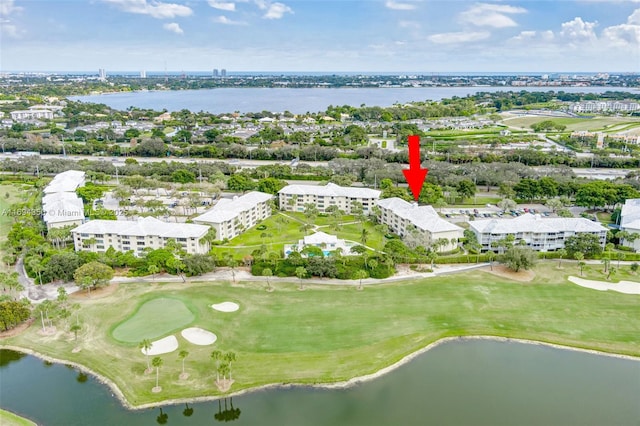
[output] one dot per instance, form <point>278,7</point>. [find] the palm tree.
<point>267,272</point>
<point>145,345</point>
<point>216,356</point>
<point>74,329</point>
<point>229,357</point>
<point>360,275</point>
<point>188,411</point>
<point>157,363</point>
<point>364,236</point>
<point>373,264</point>
<point>232,263</point>
<point>301,272</point>
<point>36,266</point>
<point>561,253</point>
<point>153,269</point>
<point>182,355</point>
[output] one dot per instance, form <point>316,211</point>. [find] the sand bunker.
<point>627,287</point>
<point>162,346</point>
<point>226,307</point>
<point>199,336</point>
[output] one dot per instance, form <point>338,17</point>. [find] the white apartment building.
<point>402,217</point>
<point>60,205</point>
<point>539,233</point>
<point>231,218</point>
<point>147,232</point>
<point>32,114</point>
<point>609,106</point>
<point>294,197</point>
<point>630,222</point>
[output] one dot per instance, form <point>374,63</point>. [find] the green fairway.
<point>153,319</point>
<point>7,418</point>
<point>330,333</point>
<point>575,124</point>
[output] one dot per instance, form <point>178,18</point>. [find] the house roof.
<point>147,226</point>
<point>535,224</point>
<point>330,189</point>
<point>630,214</point>
<point>320,238</point>
<point>422,217</point>
<point>67,181</point>
<point>227,209</point>
<point>63,210</point>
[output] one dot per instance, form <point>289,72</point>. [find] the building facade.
<point>60,205</point>
<point>403,218</point>
<point>32,114</point>
<point>123,235</point>
<point>630,222</point>
<point>231,217</point>
<point>538,233</point>
<point>294,197</point>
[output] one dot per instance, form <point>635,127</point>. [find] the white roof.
<point>330,189</point>
<point>630,214</point>
<point>63,210</point>
<point>147,226</point>
<point>59,196</point>
<point>320,238</point>
<point>227,209</point>
<point>67,181</point>
<point>535,224</point>
<point>422,217</point>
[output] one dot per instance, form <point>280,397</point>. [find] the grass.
<point>333,333</point>
<point>14,192</point>
<point>596,272</point>
<point>153,319</point>
<point>575,124</point>
<point>284,229</point>
<point>7,418</point>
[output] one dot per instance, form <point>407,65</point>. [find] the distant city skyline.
<point>385,36</point>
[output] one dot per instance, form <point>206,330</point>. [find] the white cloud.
<point>579,30</point>
<point>491,15</point>
<point>458,37</point>
<point>7,7</point>
<point>173,27</point>
<point>625,34</point>
<point>221,5</point>
<point>226,21</point>
<point>394,5</point>
<point>545,36</point>
<point>409,24</point>
<point>152,8</point>
<point>274,10</point>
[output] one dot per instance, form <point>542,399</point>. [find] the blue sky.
<point>321,35</point>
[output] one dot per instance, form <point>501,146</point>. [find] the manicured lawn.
<point>153,319</point>
<point>6,220</point>
<point>574,124</point>
<point>7,418</point>
<point>596,272</point>
<point>353,232</point>
<point>332,333</point>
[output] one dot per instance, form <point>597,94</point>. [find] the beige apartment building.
<point>294,197</point>
<point>231,217</point>
<point>403,217</point>
<point>147,232</point>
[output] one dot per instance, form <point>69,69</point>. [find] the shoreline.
<point>116,392</point>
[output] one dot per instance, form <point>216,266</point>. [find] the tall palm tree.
<point>267,272</point>
<point>216,356</point>
<point>301,272</point>
<point>229,357</point>
<point>360,275</point>
<point>182,355</point>
<point>145,345</point>
<point>74,329</point>
<point>561,253</point>
<point>157,363</point>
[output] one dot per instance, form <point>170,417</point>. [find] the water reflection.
<point>7,357</point>
<point>188,411</point>
<point>229,413</point>
<point>162,418</point>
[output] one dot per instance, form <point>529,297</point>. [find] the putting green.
<point>154,318</point>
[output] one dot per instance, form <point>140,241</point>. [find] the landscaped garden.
<point>325,333</point>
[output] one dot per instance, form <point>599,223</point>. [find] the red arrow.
<point>415,174</point>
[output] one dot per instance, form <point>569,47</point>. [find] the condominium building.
<point>598,106</point>
<point>294,197</point>
<point>231,217</point>
<point>60,205</point>
<point>32,114</point>
<point>403,218</point>
<point>630,222</point>
<point>538,233</point>
<point>147,232</point>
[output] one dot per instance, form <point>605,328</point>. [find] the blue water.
<point>298,101</point>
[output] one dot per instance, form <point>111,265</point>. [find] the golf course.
<point>324,334</point>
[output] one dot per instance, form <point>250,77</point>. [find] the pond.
<point>463,382</point>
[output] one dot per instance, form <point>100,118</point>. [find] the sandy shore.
<point>338,385</point>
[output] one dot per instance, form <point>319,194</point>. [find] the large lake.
<point>473,382</point>
<point>299,101</point>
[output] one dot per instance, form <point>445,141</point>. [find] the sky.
<point>321,35</point>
